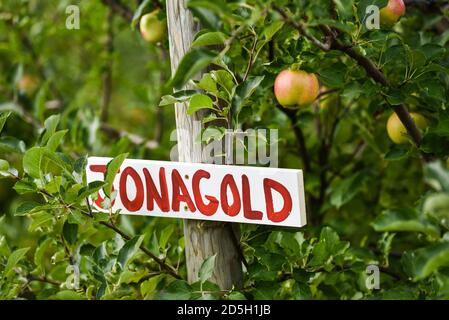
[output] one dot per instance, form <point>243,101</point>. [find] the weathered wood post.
<point>202,239</point>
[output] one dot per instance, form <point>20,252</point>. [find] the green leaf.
<point>39,255</point>
<point>191,64</point>
<point>67,295</point>
<point>129,250</point>
<point>70,232</point>
<point>91,188</point>
<point>3,117</point>
<point>437,176</point>
<point>328,247</point>
<point>211,117</point>
<point>4,248</point>
<point>14,259</point>
<point>128,276</point>
<point>270,30</point>
<point>39,160</point>
<point>165,235</point>
<point>139,12</point>
<point>23,186</point>
<point>224,79</point>
<point>396,97</point>
<point>344,8</point>
<point>209,39</point>
<point>404,220</point>
<point>179,96</point>
<point>154,245</point>
<point>148,287</point>
<point>423,262</point>
<point>39,102</point>
<point>334,76</point>
<point>212,133</point>
<point>26,208</point>
<point>396,153</point>
<point>235,295</point>
<point>198,102</point>
<point>101,216</point>
<point>40,219</point>
<point>437,206</point>
<point>111,172</point>
<point>55,140</point>
<point>347,189</point>
<point>208,84</point>
<point>176,290</point>
<point>50,124</point>
<point>4,165</point>
<point>217,6</point>
<point>32,162</point>
<point>207,269</point>
<point>243,92</point>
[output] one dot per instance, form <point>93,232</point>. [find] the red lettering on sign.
<point>206,209</point>
<point>234,209</point>
<point>136,204</point>
<point>248,212</point>
<point>180,193</point>
<point>279,216</point>
<point>152,193</point>
<point>102,169</point>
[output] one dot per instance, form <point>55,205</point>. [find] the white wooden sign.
<point>204,191</point>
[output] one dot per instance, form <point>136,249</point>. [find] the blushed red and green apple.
<point>296,88</point>
<point>391,13</point>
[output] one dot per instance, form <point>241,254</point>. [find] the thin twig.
<point>250,59</point>
<point>43,279</point>
<point>133,138</point>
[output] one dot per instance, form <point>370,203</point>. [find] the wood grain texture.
<point>202,239</point>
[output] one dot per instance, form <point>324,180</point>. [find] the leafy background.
<point>98,92</point>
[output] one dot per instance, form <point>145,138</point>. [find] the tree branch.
<point>168,268</point>
<point>120,9</point>
<point>133,138</point>
<point>302,30</point>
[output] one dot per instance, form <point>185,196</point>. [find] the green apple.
<point>396,130</point>
<point>151,28</point>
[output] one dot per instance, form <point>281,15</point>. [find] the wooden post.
<point>202,239</point>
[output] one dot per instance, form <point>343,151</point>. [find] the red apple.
<point>296,88</point>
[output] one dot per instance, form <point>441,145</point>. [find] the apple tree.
<point>358,90</point>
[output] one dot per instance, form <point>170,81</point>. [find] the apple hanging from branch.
<point>396,130</point>
<point>152,28</point>
<point>296,88</point>
<point>391,13</point>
